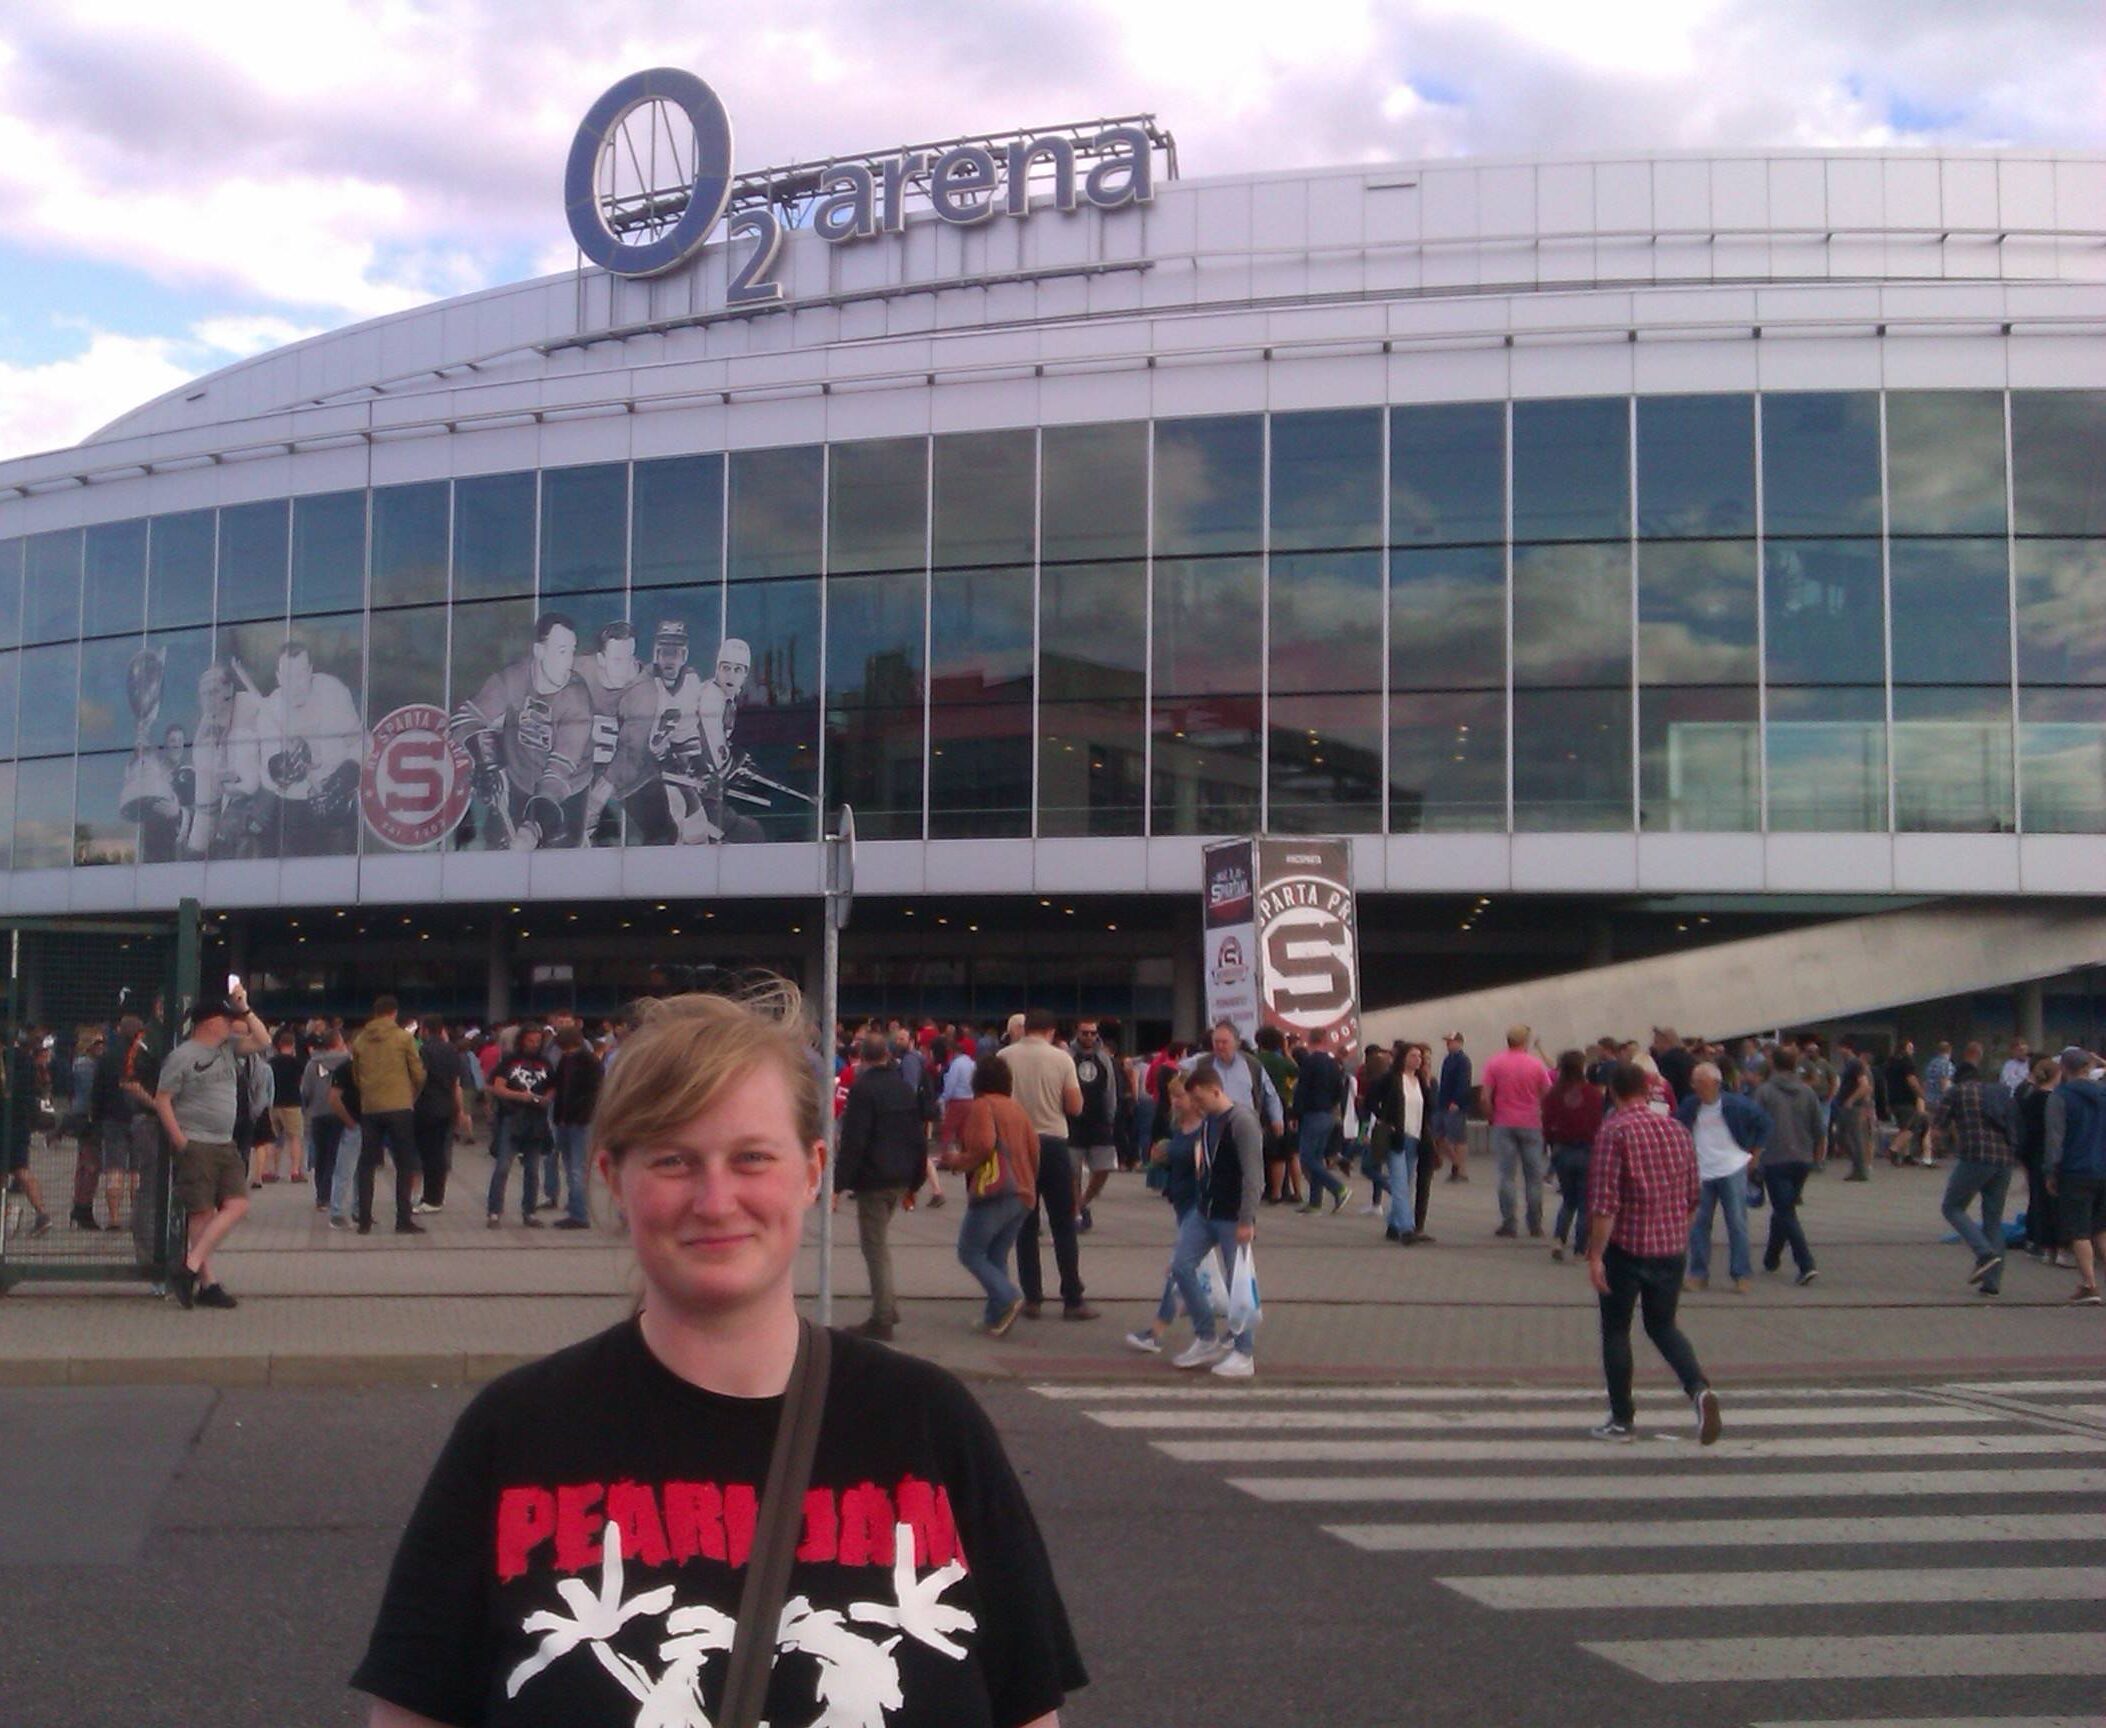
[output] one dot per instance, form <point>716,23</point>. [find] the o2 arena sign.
<point>650,177</point>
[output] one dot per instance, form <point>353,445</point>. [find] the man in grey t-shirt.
<point>198,1100</point>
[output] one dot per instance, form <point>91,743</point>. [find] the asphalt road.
<point>1264,1554</point>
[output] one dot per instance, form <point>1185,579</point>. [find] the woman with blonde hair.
<point>625,1529</point>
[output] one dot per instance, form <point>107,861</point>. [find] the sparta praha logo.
<point>414,790</point>
<point>1309,979</point>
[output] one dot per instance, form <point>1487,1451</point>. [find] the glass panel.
<point>51,586</point>
<point>2061,611</point>
<point>189,677</point>
<point>410,531</point>
<point>7,811</point>
<point>1572,760</point>
<point>1696,467</point>
<point>1820,463</point>
<point>1447,762</point>
<point>1447,618</point>
<point>254,548</point>
<point>1700,761</point>
<point>979,771</point>
<point>1090,767</point>
<point>1092,631</point>
<point>584,532</point>
<point>1952,761</point>
<point>50,699</point>
<point>1207,765</point>
<point>980,636</point>
<point>10,692</point>
<point>1952,611</point>
<point>113,599</point>
<point>1209,486</point>
<point>1325,765</point>
<point>329,553</point>
<point>1209,625</point>
<point>773,716</point>
<point>1826,614</point>
<point>108,718</point>
<point>1326,480</point>
<point>1447,474</point>
<point>493,536</point>
<point>2062,758</point>
<point>984,483</point>
<point>1945,462</point>
<point>10,593</point>
<point>873,761</point>
<point>44,814</point>
<point>1096,492</point>
<point>1828,761</point>
<point>407,654</point>
<point>1326,622</point>
<point>102,832</point>
<point>878,504</point>
<point>1572,469</point>
<point>236,811</point>
<point>677,528</point>
<point>642,674</point>
<point>1572,615</point>
<point>313,739</point>
<point>497,677</point>
<point>2058,461</point>
<point>179,577</point>
<point>776,512</point>
<point>1696,612</point>
<point>873,642</point>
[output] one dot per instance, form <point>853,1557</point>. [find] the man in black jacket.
<point>884,1149</point>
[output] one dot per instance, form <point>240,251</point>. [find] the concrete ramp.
<point>1796,977</point>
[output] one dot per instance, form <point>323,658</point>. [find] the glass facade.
<point>1817,611</point>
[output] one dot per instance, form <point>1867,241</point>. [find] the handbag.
<point>777,1530</point>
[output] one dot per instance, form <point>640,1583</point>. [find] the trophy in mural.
<point>148,791</point>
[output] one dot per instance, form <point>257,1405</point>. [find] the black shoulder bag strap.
<point>777,1531</point>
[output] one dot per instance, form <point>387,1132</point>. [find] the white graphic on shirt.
<point>857,1685</point>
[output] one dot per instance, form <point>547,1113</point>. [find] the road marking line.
<point>1787,1589</point>
<point>2075,1388</point>
<point>2062,1528</point>
<point>1186,1391</point>
<point>1915,1656</point>
<point>1944,1722</point>
<point>1453,1421</point>
<point>1816,1484</point>
<point>1649,1453</point>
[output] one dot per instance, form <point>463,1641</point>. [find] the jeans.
<point>1731,1194</point>
<point>1654,1285</point>
<point>985,1237</point>
<point>1315,1143</point>
<point>1056,1199</point>
<point>435,1154</point>
<point>384,1132</point>
<point>1144,1122</point>
<point>1991,1181</point>
<point>1569,1164</point>
<point>1784,1183</point>
<point>324,1136</point>
<point>344,1172</point>
<point>1519,1151</point>
<point>1853,1135</point>
<point>1196,1233</point>
<point>874,1209</point>
<point>574,1142</point>
<point>1403,1184</point>
<point>507,1143</point>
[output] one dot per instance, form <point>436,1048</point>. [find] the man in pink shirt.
<point>1514,1083</point>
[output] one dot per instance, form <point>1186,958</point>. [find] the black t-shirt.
<point>525,1074</point>
<point>577,1556</point>
<point>286,1069</point>
<point>442,1068</point>
<point>1097,1078</point>
<point>343,1081</point>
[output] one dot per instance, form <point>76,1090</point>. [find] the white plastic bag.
<point>1215,1283</point>
<point>1244,1309</point>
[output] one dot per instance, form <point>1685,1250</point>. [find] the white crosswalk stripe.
<point>1817,1499</point>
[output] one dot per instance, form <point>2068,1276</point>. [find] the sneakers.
<point>1146,1342</point>
<point>183,1282</point>
<point>881,1330</point>
<point>2084,1296</point>
<point>426,1206</point>
<point>1986,1268</point>
<point>935,1200</point>
<point>83,1218</point>
<point>215,1296</point>
<point>1740,1286</point>
<point>1807,1277</point>
<point>568,1223</point>
<point>1033,1310</point>
<point>1611,1430</point>
<point>492,1222</point>
<point>1235,1366</point>
<point>1506,1230</point>
<point>1308,1207</point>
<point>533,1223</point>
<point>1084,1222</point>
<point>1078,1311</point>
<point>1557,1253</point>
<point>1696,1283</point>
<point>1338,1201</point>
<point>1390,1233</point>
<point>409,1227</point>
<point>1000,1329</point>
<point>337,1221</point>
<point>1201,1353</point>
<point>42,1227</point>
<point>1707,1417</point>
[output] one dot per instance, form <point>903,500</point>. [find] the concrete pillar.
<point>2030,1001</point>
<point>1188,997</point>
<point>497,991</point>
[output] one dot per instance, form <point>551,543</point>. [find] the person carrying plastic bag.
<point>1231,1165</point>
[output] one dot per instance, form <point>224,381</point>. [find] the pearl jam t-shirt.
<point>577,1556</point>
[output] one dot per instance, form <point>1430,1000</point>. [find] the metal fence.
<point>86,1198</point>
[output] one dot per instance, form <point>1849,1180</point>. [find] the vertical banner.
<point>1230,939</point>
<point>1308,942</point>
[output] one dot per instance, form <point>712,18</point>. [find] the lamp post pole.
<point>840,895</point>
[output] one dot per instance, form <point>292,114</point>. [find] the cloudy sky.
<point>181,185</point>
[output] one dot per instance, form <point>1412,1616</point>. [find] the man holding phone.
<point>198,1100</point>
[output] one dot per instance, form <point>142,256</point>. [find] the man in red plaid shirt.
<point>1641,1189</point>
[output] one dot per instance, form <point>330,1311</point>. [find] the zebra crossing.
<point>1960,1553</point>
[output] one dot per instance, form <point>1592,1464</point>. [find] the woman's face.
<point>716,1208</point>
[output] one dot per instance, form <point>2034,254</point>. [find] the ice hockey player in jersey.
<point>311,742</point>
<point>529,731</point>
<point>620,690</point>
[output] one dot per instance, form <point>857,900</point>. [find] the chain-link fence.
<point>92,1007</point>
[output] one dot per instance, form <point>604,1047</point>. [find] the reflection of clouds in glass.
<point>1209,626</point>
<point>2062,612</point>
<point>1327,623</point>
<point>1572,614</point>
<point>1696,613</point>
<point>1208,485</point>
<point>2058,460</point>
<point>1945,461</point>
<point>2062,759</point>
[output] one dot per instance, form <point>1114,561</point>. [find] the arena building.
<point>1626,553</point>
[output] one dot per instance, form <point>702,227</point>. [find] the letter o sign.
<point>707,196</point>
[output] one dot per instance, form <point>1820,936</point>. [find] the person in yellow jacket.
<point>389,1073</point>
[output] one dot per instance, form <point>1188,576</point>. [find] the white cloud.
<point>48,406</point>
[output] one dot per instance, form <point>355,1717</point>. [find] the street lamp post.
<point>840,894</point>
